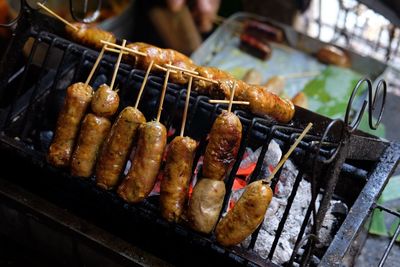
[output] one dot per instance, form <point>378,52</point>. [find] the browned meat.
<point>146,163</point>
<point>93,133</point>
<point>89,35</point>
<point>75,105</point>
<point>204,87</point>
<point>175,184</point>
<point>105,101</point>
<point>246,215</point>
<point>205,204</point>
<point>223,145</point>
<point>118,144</point>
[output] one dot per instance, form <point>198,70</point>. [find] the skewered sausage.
<point>105,101</point>
<point>114,154</point>
<point>89,35</point>
<point>205,204</point>
<point>95,128</point>
<point>146,162</point>
<point>93,132</point>
<point>204,87</point>
<point>223,146</point>
<point>175,184</point>
<point>75,105</point>
<point>261,101</point>
<point>246,215</point>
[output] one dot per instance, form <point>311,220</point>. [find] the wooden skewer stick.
<point>186,106</point>
<point>165,69</point>
<point>124,48</point>
<point>201,78</point>
<point>181,69</point>
<point>217,101</point>
<point>144,83</point>
<point>232,96</point>
<point>287,155</point>
<point>99,57</point>
<point>116,51</point>
<point>163,95</point>
<point>57,16</point>
<point>117,65</point>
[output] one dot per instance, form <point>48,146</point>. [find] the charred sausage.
<point>175,184</point>
<point>93,132</point>
<point>75,105</point>
<point>146,162</point>
<point>205,204</point>
<point>89,35</point>
<point>118,144</point>
<point>246,215</point>
<point>223,146</point>
<point>204,87</point>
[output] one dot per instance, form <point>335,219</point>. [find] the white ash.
<point>296,215</point>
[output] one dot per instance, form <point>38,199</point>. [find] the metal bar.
<point>362,207</point>
<point>393,212</point>
<point>389,247</point>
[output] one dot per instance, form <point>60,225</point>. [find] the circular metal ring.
<point>353,125</point>
<point>379,87</point>
<point>88,19</point>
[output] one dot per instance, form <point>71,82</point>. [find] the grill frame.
<point>386,153</point>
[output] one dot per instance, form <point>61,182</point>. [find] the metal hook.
<point>370,101</point>
<point>88,19</point>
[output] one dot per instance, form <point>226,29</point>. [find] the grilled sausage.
<point>175,184</point>
<point>330,54</point>
<point>204,87</point>
<point>246,215</point>
<point>262,102</point>
<point>146,162</point>
<point>93,132</point>
<point>113,156</point>
<point>179,77</point>
<point>75,105</point>
<point>205,204</point>
<point>105,101</point>
<point>89,35</point>
<point>223,146</point>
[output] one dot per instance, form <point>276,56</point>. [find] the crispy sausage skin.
<point>205,204</point>
<point>105,101</point>
<point>246,215</point>
<point>175,184</point>
<point>75,105</point>
<point>89,35</point>
<point>146,162</point>
<point>223,146</point>
<point>113,156</point>
<point>93,132</point>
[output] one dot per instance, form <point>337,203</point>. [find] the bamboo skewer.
<point>116,51</point>
<point>202,78</point>
<point>99,57</point>
<point>143,84</point>
<point>163,95</point>
<point>182,69</point>
<point>232,96</point>
<point>164,69</point>
<point>186,105</point>
<point>124,48</point>
<point>117,65</point>
<point>57,16</point>
<point>222,101</point>
<point>287,155</point>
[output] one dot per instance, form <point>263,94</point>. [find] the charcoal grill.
<point>334,154</point>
